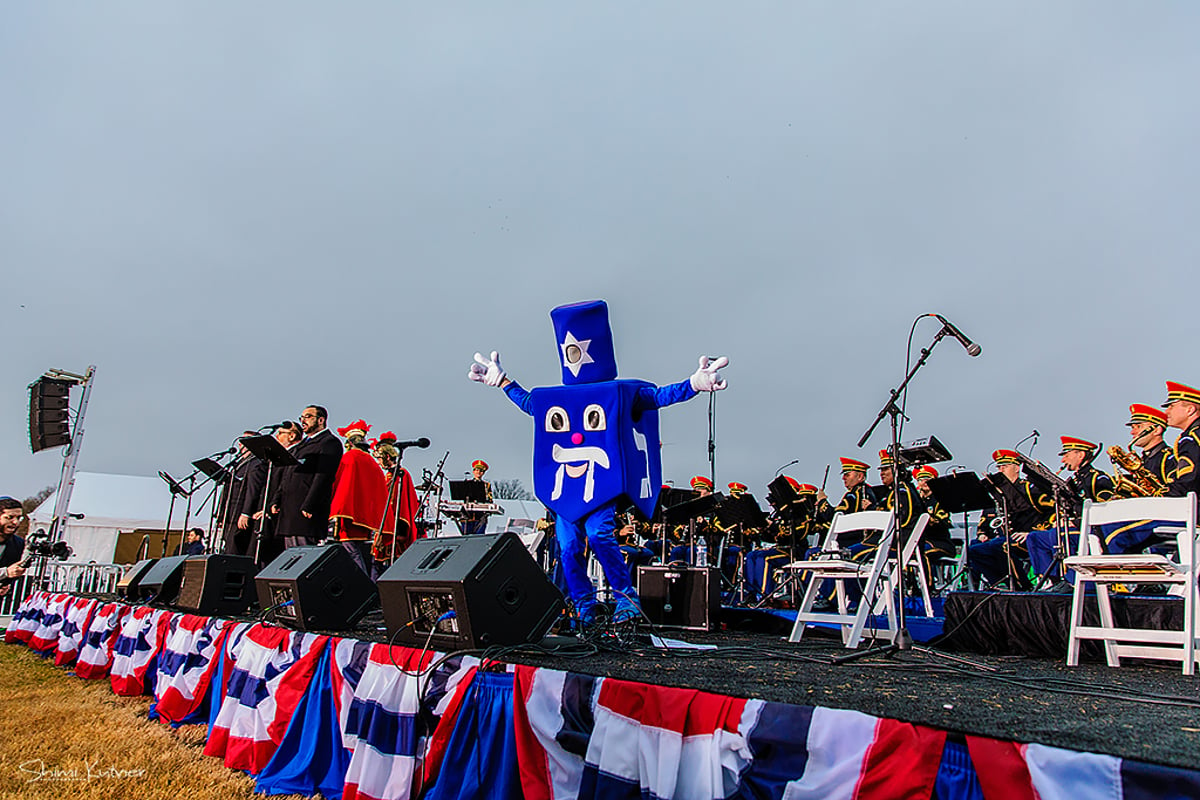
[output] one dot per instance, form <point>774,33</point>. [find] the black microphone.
<point>270,428</point>
<point>971,348</point>
<point>422,442</point>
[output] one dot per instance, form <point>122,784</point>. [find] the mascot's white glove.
<point>487,370</point>
<point>706,379</point>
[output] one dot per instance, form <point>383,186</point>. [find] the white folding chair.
<point>828,564</point>
<point>1092,566</point>
<point>910,556</point>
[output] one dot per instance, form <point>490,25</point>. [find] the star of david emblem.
<point>575,353</point>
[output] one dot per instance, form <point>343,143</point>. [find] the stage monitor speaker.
<point>130,582</point>
<point>160,583</point>
<point>217,585</point>
<point>49,410</point>
<point>498,594</point>
<point>681,597</point>
<point>319,587</point>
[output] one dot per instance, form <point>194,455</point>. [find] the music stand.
<point>469,491</point>
<point>961,493</point>
<point>669,497</point>
<point>268,448</point>
<point>1067,505</point>
<point>212,469</point>
<point>780,493</point>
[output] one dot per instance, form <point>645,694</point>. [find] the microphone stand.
<point>903,639</point>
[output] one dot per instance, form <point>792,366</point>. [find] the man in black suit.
<point>243,495</point>
<point>302,498</point>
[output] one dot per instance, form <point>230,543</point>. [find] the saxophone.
<point>1137,480</point>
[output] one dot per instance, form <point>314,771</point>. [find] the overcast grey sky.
<point>237,209</point>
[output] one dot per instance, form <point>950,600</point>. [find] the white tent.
<point>109,504</point>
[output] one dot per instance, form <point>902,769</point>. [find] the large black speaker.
<point>315,588</point>
<point>498,594</point>
<point>130,583</point>
<point>683,597</point>
<point>49,409</point>
<point>160,583</point>
<point>217,585</point>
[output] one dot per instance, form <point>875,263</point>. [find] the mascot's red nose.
<point>576,438</point>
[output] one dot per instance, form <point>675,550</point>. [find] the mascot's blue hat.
<point>585,342</point>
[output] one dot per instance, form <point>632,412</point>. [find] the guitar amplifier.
<point>130,582</point>
<point>217,585</point>
<point>680,597</point>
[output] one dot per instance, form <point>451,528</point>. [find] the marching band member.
<point>937,541</point>
<point>1147,425</point>
<point>858,497</point>
<point>1026,510</point>
<point>474,521</point>
<point>702,486</point>
<point>1087,482</point>
<point>1183,413</point>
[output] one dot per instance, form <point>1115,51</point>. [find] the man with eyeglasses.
<point>305,490</point>
<point>12,547</point>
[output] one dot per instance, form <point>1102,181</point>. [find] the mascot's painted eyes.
<point>557,420</point>
<point>593,418</point>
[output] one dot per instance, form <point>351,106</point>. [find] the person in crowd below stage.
<point>243,496</point>
<point>937,541</point>
<point>1086,482</point>
<point>12,546</point>
<point>1026,509</point>
<point>1183,413</point>
<point>476,521</point>
<point>193,543</point>
<point>305,490</point>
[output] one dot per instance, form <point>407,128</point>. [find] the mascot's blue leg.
<point>601,535</point>
<point>571,538</point>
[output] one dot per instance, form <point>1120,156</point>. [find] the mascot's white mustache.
<point>575,462</point>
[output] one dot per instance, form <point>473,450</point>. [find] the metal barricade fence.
<point>63,576</point>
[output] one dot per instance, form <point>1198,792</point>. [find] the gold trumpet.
<point>1137,480</point>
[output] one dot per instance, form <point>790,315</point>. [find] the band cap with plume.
<point>738,488</point>
<point>358,425</point>
<point>479,464</point>
<point>885,459</point>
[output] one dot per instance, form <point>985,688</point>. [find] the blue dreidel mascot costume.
<point>595,443</point>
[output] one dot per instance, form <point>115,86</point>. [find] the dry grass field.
<point>62,737</point>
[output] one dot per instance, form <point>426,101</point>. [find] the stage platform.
<point>1093,728</point>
